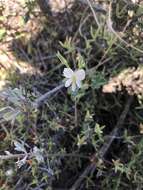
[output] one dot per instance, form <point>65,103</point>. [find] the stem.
<point>75,113</point>
<point>16,156</point>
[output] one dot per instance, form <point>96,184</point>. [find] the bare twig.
<point>93,12</point>
<point>91,167</point>
<point>97,7</point>
<point>109,24</point>
<point>39,101</point>
<point>16,156</point>
<point>113,134</point>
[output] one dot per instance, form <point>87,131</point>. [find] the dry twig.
<point>30,155</point>
<point>109,24</point>
<point>93,12</point>
<point>39,101</point>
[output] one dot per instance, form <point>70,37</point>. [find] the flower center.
<point>74,79</point>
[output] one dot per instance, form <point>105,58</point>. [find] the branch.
<point>97,7</point>
<point>39,101</point>
<point>93,12</point>
<point>16,156</point>
<point>114,133</point>
<point>109,24</point>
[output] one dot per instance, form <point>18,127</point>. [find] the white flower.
<point>74,78</point>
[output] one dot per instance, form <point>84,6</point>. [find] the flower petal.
<point>73,86</point>
<point>80,74</point>
<point>68,72</point>
<point>78,83</point>
<point>68,83</point>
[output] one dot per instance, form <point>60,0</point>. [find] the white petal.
<point>134,1</point>
<point>80,74</point>
<point>68,83</point>
<point>68,72</point>
<point>73,86</point>
<point>78,82</point>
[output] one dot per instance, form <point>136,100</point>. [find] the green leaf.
<point>2,33</point>
<point>81,61</point>
<point>62,59</point>
<point>94,32</point>
<point>68,44</point>
<point>99,130</point>
<point>98,80</point>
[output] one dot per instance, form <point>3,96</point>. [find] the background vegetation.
<point>91,139</point>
